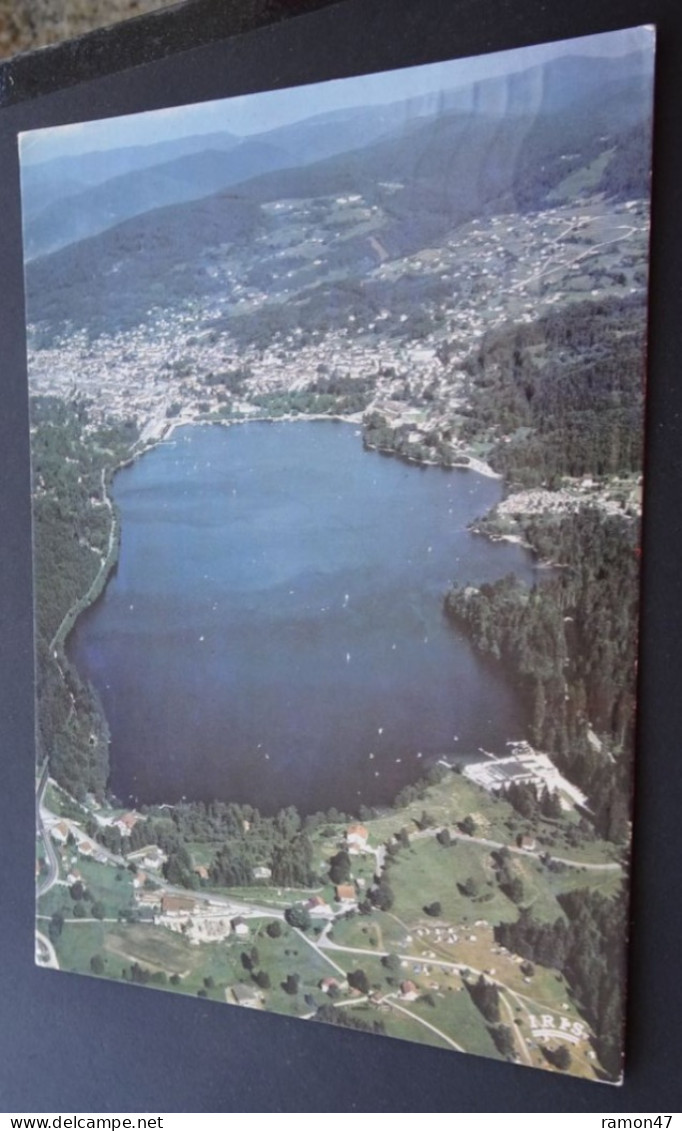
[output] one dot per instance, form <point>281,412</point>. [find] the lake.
<point>274,631</point>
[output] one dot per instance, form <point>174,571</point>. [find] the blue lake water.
<point>274,630</point>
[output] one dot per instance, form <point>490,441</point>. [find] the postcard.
<point>336,402</point>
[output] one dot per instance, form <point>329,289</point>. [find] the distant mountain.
<point>99,165</point>
<point>122,183</point>
<point>439,172</point>
<point>113,279</point>
<point>416,185</point>
<point>35,195</point>
<point>72,198</point>
<point>558,84</point>
<point>102,206</point>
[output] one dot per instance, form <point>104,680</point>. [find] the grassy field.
<point>608,883</point>
<point>78,943</point>
<point>446,903</point>
<point>64,806</point>
<point>427,872</point>
<point>153,947</point>
<point>407,1027</point>
<point>113,887</point>
<point>213,968</point>
<point>448,802</point>
<point>378,932</point>
<point>56,899</point>
<point>454,1013</point>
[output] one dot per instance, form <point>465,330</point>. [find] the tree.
<point>98,910</point>
<point>291,861</point>
<point>587,947</point>
<point>298,916</point>
<point>79,911</point>
<point>443,837</point>
<point>110,837</point>
<point>523,796</point>
<point>468,825</point>
<point>550,804</point>
<point>290,986</point>
<point>559,1057</point>
<point>97,964</point>
<point>486,997</point>
<point>358,980</point>
<point>56,926</point>
<point>274,929</point>
<point>513,888</point>
<point>433,909</point>
<point>139,974</point>
<point>392,963</point>
<point>178,868</point>
<point>382,896</point>
<point>333,1015</point>
<point>470,887</point>
<point>339,867</point>
<point>504,1040</point>
<point>262,979</point>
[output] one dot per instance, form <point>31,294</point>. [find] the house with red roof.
<point>356,838</point>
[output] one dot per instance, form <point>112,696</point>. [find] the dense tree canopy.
<point>588,946</point>
<point>571,641</point>
<point>562,395</point>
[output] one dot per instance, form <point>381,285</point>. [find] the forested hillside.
<point>556,400</point>
<point>571,640</point>
<point>587,946</point>
<point>562,395</point>
<point>419,183</point>
<point>72,527</point>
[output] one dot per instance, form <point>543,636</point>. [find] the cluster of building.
<point>491,271</point>
<point>198,920</point>
<point>613,497</point>
<point>524,766</point>
<point>65,832</point>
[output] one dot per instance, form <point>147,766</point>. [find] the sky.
<point>253,113</point>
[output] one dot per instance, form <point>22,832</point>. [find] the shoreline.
<point>167,426</point>
<point>437,762</point>
<point>58,642</point>
<point>159,435</point>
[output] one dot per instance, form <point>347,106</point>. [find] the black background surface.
<point>70,1043</point>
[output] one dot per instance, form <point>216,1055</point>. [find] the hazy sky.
<point>254,113</point>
